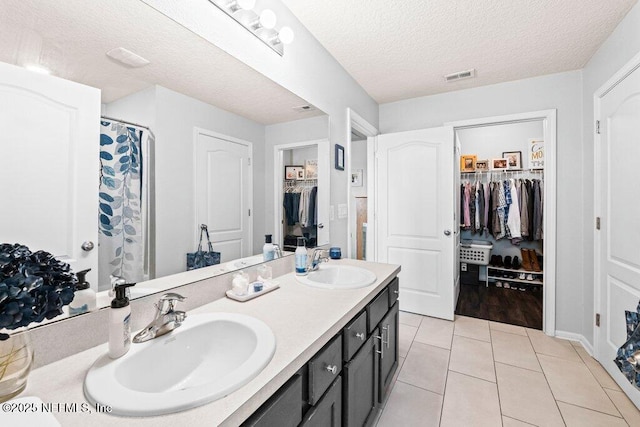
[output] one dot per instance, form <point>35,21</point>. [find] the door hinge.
<point>598,319</point>
<point>597,223</point>
<point>249,161</point>
<point>598,127</point>
<point>249,212</point>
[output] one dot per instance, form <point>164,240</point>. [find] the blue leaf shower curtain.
<point>123,209</point>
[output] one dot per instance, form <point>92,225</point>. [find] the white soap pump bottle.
<point>119,327</point>
<point>301,258</point>
<point>269,249</point>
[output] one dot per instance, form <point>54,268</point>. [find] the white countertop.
<point>302,318</point>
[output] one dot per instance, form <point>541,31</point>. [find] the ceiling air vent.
<point>304,108</point>
<point>468,74</point>
<point>128,58</point>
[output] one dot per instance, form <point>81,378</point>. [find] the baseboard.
<point>572,336</point>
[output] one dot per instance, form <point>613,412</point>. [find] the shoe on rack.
<point>507,285</point>
<point>515,264</point>
<point>526,264</point>
<point>498,284</point>
<point>499,261</point>
<point>522,276</point>
<point>533,258</point>
<point>521,289</point>
<point>507,261</point>
<point>493,261</point>
<point>529,276</point>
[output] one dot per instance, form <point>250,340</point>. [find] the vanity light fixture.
<point>262,26</point>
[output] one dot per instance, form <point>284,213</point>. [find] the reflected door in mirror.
<point>223,193</point>
<point>49,166</point>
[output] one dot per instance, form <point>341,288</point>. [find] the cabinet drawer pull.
<point>396,292</point>
<point>386,328</point>
<point>360,335</point>
<point>332,368</point>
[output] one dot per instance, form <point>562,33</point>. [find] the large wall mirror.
<point>182,135</point>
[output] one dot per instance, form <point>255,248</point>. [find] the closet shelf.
<point>509,171</point>
<point>506,279</point>
<point>521,270</point>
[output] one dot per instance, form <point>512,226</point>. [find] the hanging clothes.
<point>513,218</point>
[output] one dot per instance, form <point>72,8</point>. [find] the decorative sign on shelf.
<point>536,154</point>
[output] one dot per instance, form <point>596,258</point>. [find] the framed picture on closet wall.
<point>311,169</point>
<point>499,164</point>
<point>339,157</point>
<point>482,165</point>
<point>514,159</point>
<point>291,172</point>
<point>468,163</point>
<point>301,175</point>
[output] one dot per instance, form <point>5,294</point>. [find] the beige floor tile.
<point>504,327</point>
<point>425,367</point>
<point>572,382</point>
<point>472,328</point>
<point>514,350</point>
<point>405,339</point>
<point>410,319</point>
<point>510,422</point>
<point>625,406</point>
<point>602,376</point>
<point>470,402</point>
<point>575,416</point>
<point>472,357</point>
<point>525,395</point>
<point>411,406</point>
<point>551,346</point>
<point>436,332</point>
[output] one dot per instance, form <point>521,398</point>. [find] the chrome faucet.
<point>166,320</point>
<point>318,256</point>
<point>278,251</point>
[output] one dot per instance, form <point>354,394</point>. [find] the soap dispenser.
<point>269,249</point>
<point>84,298</point>
<point>119,327</point>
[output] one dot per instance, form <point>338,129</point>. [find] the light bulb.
<point>286,35</point>
<point>246,4</point>
<point>268,18</point>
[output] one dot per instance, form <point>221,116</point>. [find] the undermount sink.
<point>330,276</point>
<point>205,359</point>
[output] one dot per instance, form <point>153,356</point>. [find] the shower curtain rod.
<point>124,121</point>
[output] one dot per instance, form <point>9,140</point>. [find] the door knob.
<point>447,232</point>
<point>360,335</point>
<point>87,246</point>
<point>321,225</point>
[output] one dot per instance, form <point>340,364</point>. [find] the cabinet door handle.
<point>386,328</point>
<point>381,351</point>
<point>360,335</point>
<point>332,368</point>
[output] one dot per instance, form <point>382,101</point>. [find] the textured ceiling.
<point>71,38</point>
<point>402,49</point>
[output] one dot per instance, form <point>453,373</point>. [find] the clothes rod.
<point>126,122</point>
<point>503,171</point>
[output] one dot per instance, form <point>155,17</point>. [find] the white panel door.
<point>620,210</point>
<point>223,194</point>
<point>49,143</point>
<point>324,192</point>
<point>415,210</point>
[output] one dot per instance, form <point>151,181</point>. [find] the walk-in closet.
<point>300,197</point>
<point>501,217</point>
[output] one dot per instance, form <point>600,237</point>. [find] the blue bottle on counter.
<point>301,258</point>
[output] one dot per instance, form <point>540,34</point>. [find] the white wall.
<point>616,51</point>
<point>358,161</point>
<point>306,69</point>
<point>172,117</point>
<point>561,91</point>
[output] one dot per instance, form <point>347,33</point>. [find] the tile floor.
<point>474,372</point>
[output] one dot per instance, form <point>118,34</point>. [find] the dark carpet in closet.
<point>501,305</point>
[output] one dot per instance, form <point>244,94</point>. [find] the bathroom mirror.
<point>185,93</point>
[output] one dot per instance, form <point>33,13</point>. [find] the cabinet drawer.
<point>328,412</point>
<point>377,309</point>
<point>324,368</point>
<point>354,335</point>
<point>394,291</point>
<point>283,409</point>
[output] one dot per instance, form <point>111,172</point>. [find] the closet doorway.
<point>301,182</point>
<point>514,281</point>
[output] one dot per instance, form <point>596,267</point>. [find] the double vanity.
<point>321,350</point>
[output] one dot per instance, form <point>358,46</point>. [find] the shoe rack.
<point>529,272</point>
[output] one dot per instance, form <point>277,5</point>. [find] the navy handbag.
<point>202,258</point>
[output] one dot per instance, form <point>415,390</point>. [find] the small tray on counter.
<point>267,287</point>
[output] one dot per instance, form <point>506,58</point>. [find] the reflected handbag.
<point>628,356</point>
<point>202,258</point>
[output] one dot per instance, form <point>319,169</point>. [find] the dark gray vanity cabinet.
<point>389,339</point>
<point>361,386</point>
<point>346,382</point>
<point>328,411</point>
